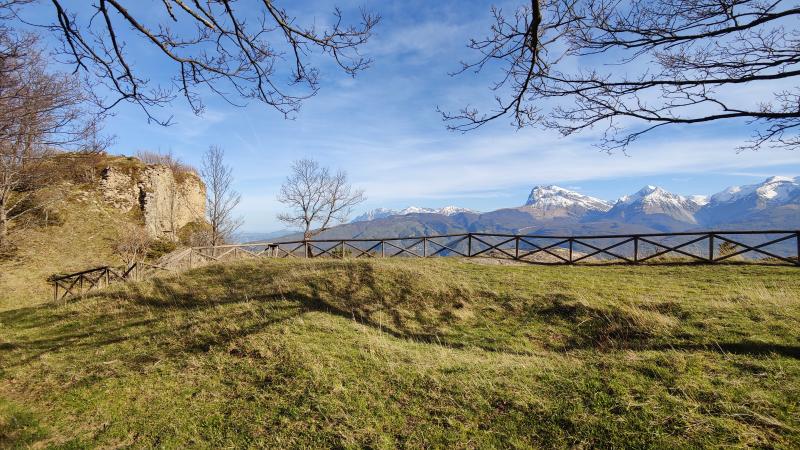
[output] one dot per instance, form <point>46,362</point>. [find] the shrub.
<point>195,234</point>
<point>133,244</point>
<point>160,247</point>
<point>168,159</point>
<point>726,248</point>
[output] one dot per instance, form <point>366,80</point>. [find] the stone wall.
<point>166,202</point>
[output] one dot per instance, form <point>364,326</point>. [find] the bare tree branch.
<point>662,62</point>
<point>40,112</point>
<point>237,50</point>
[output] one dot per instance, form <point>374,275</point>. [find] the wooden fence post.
<point>711,247</point>
<point>636,249</point>
<point>424,247</point>
<point>469,245</point>
<point>570,250</point>
<point>55,290</point>
<point>516,247</point>
<point>383,249</point>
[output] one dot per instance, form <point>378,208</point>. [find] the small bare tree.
<point>40,111</point>
<point>316,197</point>
<point>221,198</point>
<point>133,244</point>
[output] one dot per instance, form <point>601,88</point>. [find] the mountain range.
<point>380,213</point>
<point>772,204</point>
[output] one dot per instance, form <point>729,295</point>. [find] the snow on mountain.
<point>774,202</point>
<point>380,213</point>
<point>773,190</point>
<point>377,213</point>
<point>652,200</point>
<point>450,210</point>
<point>553,201</point>
<point>700,200</point>
<point>415,210</point>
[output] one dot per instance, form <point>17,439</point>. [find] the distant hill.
<point>245,237</point>
<point>772,204</point>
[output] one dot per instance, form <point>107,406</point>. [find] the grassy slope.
<point>390,353</point>
<point>83,240</point>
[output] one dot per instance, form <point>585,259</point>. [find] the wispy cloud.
<point>383,128</point>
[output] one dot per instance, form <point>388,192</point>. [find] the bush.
<point>134,243</point>
<point>175,164</point>
<point>726,248</point>
<point>195,234</point>
<point>79,167</point>
<point>161,247</point>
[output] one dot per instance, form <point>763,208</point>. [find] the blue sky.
<point>383,129</point>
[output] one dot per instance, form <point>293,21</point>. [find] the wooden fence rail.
<point>82,282</point>
<point>705,247</point>
<point>768,246</point>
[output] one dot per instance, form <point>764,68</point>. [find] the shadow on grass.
<point>182,307</point>
<point>179,312</point>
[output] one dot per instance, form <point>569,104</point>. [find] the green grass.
<point>83,240</point>
<point>411,353</point>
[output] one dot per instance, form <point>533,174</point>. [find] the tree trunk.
<point>3,221</point>
<point>306,237</point>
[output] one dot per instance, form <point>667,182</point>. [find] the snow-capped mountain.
<point>381,213</point>
<point>772,190</point>
<point>552,201</point>
<point>771,204</point>
<point>776,196</point>
<point>653,200</point>
<point>377,213</point>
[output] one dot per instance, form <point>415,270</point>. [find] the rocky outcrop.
<point>166,200</point>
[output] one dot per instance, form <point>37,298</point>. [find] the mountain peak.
<point>554,201</point>
<point>649,189</point>
<point>656,200</point>
<point>780,179</point>
<point>773,189</point>
<point>381,213</point>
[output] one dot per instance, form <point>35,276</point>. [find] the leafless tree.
<point>39,111</point>
<point>132,244</point>
<point>240,50</point>
<point>634,66</point>
<point>316,197</point>
<point>220,195</point>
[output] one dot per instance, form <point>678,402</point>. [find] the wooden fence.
<point>706,247</point>
<point>80,283</point>
<point>770,246</point>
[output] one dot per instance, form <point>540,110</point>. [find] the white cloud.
<point>525,159</point>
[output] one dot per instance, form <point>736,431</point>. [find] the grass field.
<point>402,353</point>
<point>82,240</point>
